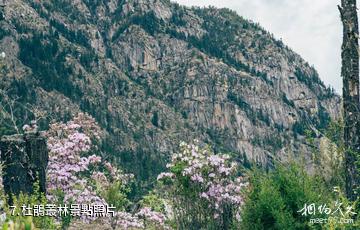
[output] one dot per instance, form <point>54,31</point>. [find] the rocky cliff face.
<point>154,73</point>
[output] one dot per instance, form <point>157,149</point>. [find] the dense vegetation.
<point>200,190</point>
<point>140,116</point>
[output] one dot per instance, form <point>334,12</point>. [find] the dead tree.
<point>24,158</point>
<point>351,101</point>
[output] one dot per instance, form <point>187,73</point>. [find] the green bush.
<point>17,220</point>
<point>275,198</point>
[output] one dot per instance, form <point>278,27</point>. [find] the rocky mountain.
<point>154,73</point>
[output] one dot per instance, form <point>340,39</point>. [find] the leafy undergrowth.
<point>200,190</point>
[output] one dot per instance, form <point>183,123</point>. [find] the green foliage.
<point>255,115</point>
<point>155,119</point>
<point>60,197</point>
<point>335,133</point>
<point>153,201</point>
<point>273,142</point>
<point>214,43</point>
<point>177,16</point>
<point>308,80</point>
<point>6,130</point>
<point>276,197</point>
<point>328,154</point>
<point>87,58</point>
<point>288,101</point>
<point>74,36</point>
<point>335,224</point>
<point>323,118</point>
<point>17,220</point>
<point>299,128</point>
<point>41,53</point>
<point>145,166</point>
<point>25,223</point>
<point>149,22</point>
<point>3,32</point>
<point>116,195</point>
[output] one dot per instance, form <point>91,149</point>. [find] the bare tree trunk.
<point>351,100</point>
<point>25,158</point>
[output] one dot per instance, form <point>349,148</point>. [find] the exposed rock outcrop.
<point>153,73</point>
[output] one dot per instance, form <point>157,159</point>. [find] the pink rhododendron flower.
<point>212,176</point>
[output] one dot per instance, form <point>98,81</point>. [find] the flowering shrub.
<point>145,218</point>
<point>128,221</point>
<point>67,166</point>
<point>204,188</point>
<point>75,176</point>
<point>151,218</point>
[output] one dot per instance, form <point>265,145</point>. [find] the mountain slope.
<point>154,73</point>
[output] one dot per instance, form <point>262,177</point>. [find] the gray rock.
<point>154,73</point>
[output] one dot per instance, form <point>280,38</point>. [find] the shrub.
<point>67,162</point>
<point>276,198</point>
<point>75,176</point>
<point>204,189</point>
<point>19,214</point>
